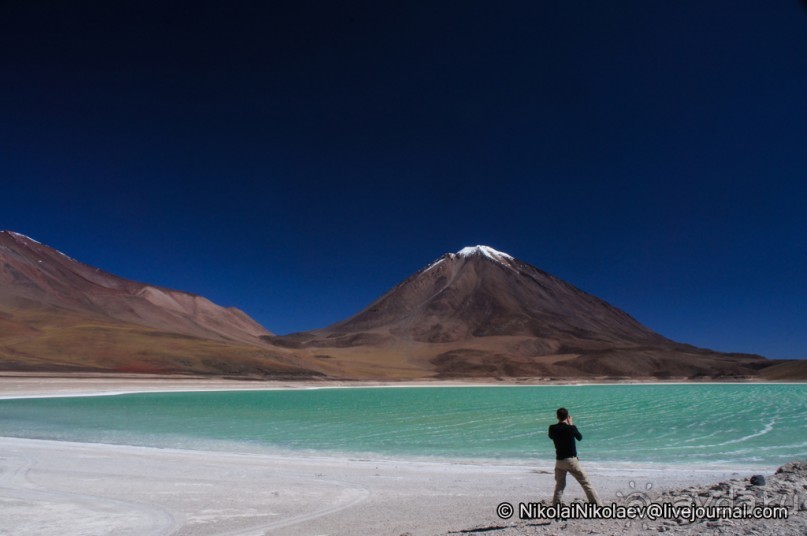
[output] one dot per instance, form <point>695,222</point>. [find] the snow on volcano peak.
<point>487,251</point>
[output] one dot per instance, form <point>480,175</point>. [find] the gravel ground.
<point>786,490</point>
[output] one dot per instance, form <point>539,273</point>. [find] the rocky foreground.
<point>786,488</point>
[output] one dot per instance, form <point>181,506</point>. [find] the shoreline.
<point>48,385</point>
<point>604,467</point>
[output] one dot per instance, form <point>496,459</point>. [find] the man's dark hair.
<point>562,414</point>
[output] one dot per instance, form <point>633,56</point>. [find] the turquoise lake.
<point>759,424</point>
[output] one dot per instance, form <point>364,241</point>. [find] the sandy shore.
<point>61,488</point>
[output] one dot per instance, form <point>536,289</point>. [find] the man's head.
<point>563,414</point>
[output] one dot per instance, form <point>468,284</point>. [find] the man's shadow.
<point>481,530</point>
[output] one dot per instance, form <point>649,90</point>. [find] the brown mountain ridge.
<point>58,314</point>
<point>477,313</point>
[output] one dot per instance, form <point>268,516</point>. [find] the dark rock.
<point>758,480</point>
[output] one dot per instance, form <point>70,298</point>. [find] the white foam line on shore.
<point>596,467</point>
<point>169,391</point>
<point>76,395</point>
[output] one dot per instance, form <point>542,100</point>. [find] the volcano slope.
<point>481,313</point>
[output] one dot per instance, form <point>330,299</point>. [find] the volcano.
<point>483,313</point>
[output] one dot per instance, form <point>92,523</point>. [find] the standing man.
<point>564,435</point>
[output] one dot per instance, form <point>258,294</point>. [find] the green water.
<point>710,424</point>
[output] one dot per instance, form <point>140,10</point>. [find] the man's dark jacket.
<point>564,435</point>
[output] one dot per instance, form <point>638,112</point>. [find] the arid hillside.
<point>58,314</point>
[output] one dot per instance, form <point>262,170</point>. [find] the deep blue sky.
<point>298,159</point>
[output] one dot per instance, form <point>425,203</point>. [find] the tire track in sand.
<point>361,494</point>
<point>16,483</point>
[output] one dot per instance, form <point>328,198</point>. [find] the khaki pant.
<point>572,465</point>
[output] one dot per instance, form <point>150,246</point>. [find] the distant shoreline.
<point>14,385</point>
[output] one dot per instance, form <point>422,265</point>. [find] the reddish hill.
<point>60,314</point>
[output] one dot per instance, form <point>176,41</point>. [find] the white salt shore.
<point>59,488</point>
<point>63,488</point>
